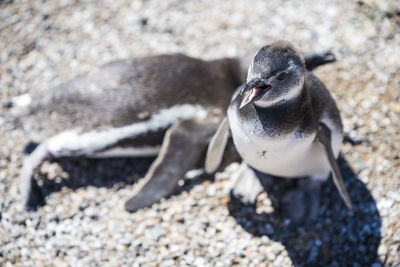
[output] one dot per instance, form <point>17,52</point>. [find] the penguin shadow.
<point>79,172</point>
<point>338,237</point>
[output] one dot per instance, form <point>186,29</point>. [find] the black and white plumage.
<point>148,106</point>
<point>283,120</point>
<point>167,105</point>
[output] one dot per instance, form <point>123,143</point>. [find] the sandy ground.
<point>45,43</point>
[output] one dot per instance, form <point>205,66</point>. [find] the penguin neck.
<point>287,117</point>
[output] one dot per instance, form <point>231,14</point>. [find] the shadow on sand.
<point>107,172</point>
<point>337,238</point>
<point>83,172</point>
<point>114,172</point>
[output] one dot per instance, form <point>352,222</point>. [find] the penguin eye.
<point>282,76</point>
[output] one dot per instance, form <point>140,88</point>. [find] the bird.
<point>283,122</point>
<point>166,106</point>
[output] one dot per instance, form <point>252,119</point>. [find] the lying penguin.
<point>283,122</point>
<point>167,106</point>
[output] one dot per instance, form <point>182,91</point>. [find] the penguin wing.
<point>216,148</point>
<point>314,60</point>
<point>324,137</point>
<point>180,151</point>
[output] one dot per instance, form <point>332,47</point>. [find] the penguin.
<point>166,106</point>
<point>283,122</point>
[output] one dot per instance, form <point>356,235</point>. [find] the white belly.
<point>287,156</point>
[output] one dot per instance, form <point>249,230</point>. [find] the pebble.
<point>154,233</point>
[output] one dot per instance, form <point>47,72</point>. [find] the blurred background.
<point>44,43</point>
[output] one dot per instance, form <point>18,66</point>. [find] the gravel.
<point>44,43</point>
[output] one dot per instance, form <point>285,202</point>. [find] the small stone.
<point>144,21</point>
<point>154,233</point>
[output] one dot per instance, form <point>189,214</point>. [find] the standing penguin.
<point>283,121</point>
<point>166,106</point>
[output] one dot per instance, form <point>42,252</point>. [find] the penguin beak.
<point>253,91</point>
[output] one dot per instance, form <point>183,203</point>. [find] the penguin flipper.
<point>216,148</point>
<point>181,150</point>
<point>324,137</point>
<point>314,60</point>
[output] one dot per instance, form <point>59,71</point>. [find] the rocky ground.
<point>44,43</point>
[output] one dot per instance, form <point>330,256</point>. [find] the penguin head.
<point>276,74</point>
